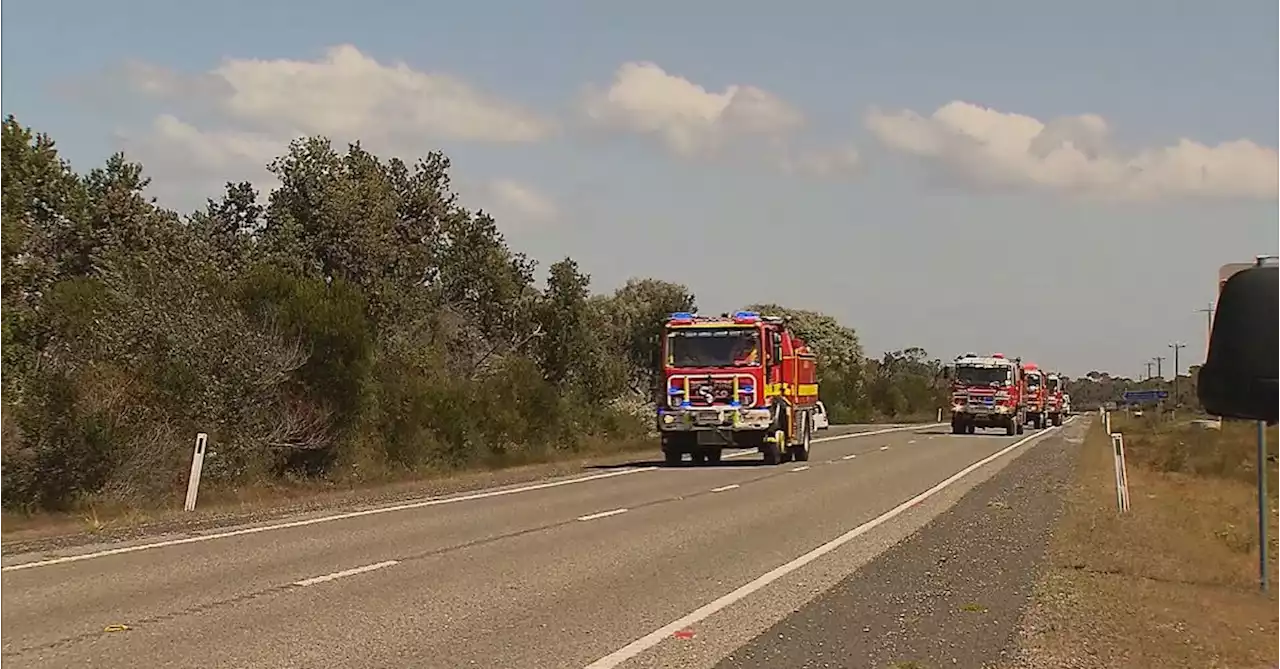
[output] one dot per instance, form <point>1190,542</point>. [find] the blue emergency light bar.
<point>746,317</point>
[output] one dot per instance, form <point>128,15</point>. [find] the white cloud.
<point>513,204</point>
<point>347,95</point>
<point>226,149</point>
<point>189,165</point>
<point>239,115</point>
<point>994,148</point>
<point>690,120</point>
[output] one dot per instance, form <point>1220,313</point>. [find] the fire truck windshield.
<point>1033,381</point>
<point>1053,384</point>
<point>983,376</point>
<point>713,347</point>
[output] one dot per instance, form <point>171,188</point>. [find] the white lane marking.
<point>723,488</point>
<point>435,501</point>
<point>347,572</point>
<point>850,456</point>
<point>800,469</point>
<point>603,514</point>
<point>659,635</point>
<point>851,435</point>
<point>912,441</point>
<point>920,426</point>
<point>884,448</point>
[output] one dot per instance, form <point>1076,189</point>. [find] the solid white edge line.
<point>659,635</point>
<point>724,488</point>
<point>346,572</point>
<point>800,469</point>
<point>434,501</point>
<point>603,514</point>
<point>850,456</point>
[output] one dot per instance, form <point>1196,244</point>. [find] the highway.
<point>636,566</point>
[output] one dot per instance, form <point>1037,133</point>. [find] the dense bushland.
<point>360,323</point>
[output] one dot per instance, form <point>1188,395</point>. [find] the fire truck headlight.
<point>668,419</point>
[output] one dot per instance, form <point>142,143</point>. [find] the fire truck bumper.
<point>714,418</point>
<point>981,416</point>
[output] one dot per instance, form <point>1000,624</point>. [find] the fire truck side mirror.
<point>944,373</point>
<point>1239,375</point>
<point>775,347</point>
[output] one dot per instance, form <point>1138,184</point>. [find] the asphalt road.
<point>631,566</point>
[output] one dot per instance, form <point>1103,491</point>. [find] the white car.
<point>820,420</point>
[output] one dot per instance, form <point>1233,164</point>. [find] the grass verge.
<point>1172,583</point>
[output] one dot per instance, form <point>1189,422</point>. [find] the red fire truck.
<point>987,392</point>
<point>743,381</point>
<point>1057,408</point>
<point>1037,396</point>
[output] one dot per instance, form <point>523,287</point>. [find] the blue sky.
<point>912,246</point>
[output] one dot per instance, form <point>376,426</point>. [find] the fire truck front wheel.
<point>1011,427</point>
<point>773,450</point>
<point>800,452</point>
<point>675,445</point>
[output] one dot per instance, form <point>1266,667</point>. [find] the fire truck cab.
<point>744,381</point>
<point>1037,396</point>
<point>987,392</point>
<point>1055,398</point>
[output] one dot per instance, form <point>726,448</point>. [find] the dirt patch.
<point>1173,582</point>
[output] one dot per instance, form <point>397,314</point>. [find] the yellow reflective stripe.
<point>804,389</point>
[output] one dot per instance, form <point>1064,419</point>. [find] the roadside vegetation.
<point>1173,582</point>
<point>358,324</point>
<point>1096,389</point>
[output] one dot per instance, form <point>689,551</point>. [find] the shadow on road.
<point>735,463</point>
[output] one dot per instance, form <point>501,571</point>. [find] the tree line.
<point>1096,389</point>
<point>357,321</point>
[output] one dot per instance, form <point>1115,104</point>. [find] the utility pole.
<point>1159,372</point>
<point>1208,332</point>
<point>1149,365</point>
<point>1176,346</point>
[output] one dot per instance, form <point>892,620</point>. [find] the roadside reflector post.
<point>1263,517</point>
<point>197,464</point>
<point>1122,473</point>
<point>939,414</point>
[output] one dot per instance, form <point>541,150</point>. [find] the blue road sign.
<point>1136,396</point>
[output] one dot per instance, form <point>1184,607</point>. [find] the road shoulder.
<point>951,594</point>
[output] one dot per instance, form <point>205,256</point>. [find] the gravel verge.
<point>951,595</point>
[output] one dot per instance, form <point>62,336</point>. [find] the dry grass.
<point>1172,583</point>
